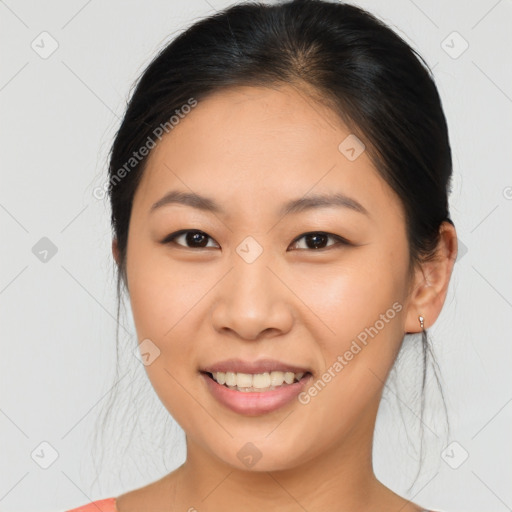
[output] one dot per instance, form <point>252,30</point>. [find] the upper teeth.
<point>257,380</point>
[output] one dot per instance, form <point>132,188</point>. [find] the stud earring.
<point>421,320</point>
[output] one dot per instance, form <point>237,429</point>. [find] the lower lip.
<point>255,403</point>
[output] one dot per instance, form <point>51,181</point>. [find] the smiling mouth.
<point>257,382</point>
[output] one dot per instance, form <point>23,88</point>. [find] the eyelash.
<point>339,240</point>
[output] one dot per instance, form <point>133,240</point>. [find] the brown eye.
<point>191,239</point>
<point>318,240</point>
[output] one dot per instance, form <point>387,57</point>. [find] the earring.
<point>421,320</point>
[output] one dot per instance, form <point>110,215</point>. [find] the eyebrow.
<point>294,206</point>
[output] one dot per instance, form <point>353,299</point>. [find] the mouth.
<point>254,394</point>
<point>256,382</point>
<point>255,387</point>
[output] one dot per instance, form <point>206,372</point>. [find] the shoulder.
<point>106,505</point>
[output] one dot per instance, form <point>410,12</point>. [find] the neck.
<point>341,478</point>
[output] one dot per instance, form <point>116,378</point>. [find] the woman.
<point>279,204</point>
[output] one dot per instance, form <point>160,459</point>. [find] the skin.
<point>252,149</point>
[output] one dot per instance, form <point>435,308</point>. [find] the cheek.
<point>161,292</point>
<point>167,302</point>
<point>162,302</point>
<point>362,306</point>
<point>348,297</point>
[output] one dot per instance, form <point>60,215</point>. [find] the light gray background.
<point>58,116</point>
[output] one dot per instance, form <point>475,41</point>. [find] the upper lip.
<point>251,367</point>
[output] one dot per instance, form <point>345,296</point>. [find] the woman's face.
<point>250,286</point>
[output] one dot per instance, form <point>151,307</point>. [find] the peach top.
<point>109,505</point>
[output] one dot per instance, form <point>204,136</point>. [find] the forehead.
<point>247,144</point>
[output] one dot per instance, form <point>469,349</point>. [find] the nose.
<point>252,302</point>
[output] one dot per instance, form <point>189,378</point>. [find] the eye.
<point>317,240</point>
<point>197,239</point>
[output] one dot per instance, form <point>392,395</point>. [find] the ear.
<point>431,281</point>
<point>115,250</point>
